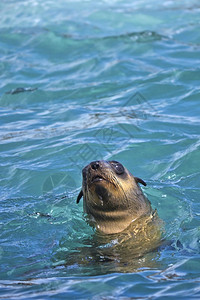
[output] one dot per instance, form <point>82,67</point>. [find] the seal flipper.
<point>80,195</point>
<point>139,180</point>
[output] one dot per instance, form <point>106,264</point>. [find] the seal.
<point>114,201</point>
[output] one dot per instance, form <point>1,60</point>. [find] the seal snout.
<point>95,171</point>
<point>95,165</point>
<point>96,178</point>
<point>92,173</point>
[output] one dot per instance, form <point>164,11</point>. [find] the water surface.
<point>87,80</point>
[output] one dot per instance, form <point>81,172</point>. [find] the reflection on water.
<point>135,248</point>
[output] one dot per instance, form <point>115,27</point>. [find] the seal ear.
<point>80,195</point>
<point>139,180</point>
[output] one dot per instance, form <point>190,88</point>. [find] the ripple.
<point>144,36</point>
<point>109,80</point>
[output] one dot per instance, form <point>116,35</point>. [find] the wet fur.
<point>114,202</point>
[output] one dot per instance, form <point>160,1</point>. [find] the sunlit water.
<point>86,80</point>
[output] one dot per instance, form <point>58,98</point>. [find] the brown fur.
<point>114,201</point>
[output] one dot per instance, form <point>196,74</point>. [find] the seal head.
<point>112,197</point>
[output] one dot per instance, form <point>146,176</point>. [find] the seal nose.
<point>95,165</point>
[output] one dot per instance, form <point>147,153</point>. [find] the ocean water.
<point>87,80</point>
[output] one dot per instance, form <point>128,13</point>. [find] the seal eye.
<point>119,169</point>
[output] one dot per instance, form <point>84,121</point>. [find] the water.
<point>85,80</point>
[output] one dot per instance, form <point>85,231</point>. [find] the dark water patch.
<point>144,36</point>
<point>40,214</point>
<point>21,90</point>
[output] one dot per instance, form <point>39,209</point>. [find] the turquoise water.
<point>87,80</point>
